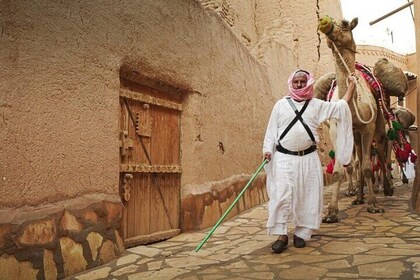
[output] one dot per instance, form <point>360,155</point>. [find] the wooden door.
<point>150,168</point>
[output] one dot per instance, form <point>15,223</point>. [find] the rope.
<point>359,91</point>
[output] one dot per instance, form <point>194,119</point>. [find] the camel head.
<point>338,33</point>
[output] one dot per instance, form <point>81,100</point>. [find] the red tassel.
<point>407,147</point>
<point>330,167</point>
<point>404,155</point>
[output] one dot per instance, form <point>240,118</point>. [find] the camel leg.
<point>360,195</point>
<point>360,198</point>
<point>357,168</point>
<point>358,174</point>
<point>332,210</point>
<point>338,177</point>
<point>375,178</point>
<point>373,204</point>
<point>384,154</point>
<point>351,189</point>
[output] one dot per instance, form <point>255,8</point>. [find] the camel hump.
<point>405,117</point>
<point>393,79</point>
<point>323,86</point>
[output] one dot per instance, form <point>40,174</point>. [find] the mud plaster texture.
<point>60,71</point>
<point>60,78</point>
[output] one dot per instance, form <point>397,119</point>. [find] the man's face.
<point>299,80</point>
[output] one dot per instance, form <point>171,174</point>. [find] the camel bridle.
<point>333,39</point>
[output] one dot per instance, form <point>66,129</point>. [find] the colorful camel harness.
<point>402,149</point>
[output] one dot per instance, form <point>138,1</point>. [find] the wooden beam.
<point>140,168</point>
<point>391,13</point>
<point>150,99</point>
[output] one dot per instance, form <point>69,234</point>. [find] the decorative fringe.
<point>392,134</point>
<point>396,125</point>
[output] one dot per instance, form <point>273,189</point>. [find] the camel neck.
<point>342,71</point>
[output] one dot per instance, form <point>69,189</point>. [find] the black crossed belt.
<point>309,150</point>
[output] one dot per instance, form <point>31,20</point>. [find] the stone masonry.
<point>58,240</point>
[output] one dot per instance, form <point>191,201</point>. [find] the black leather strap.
<point>298,117</point>
<point>309,150</point>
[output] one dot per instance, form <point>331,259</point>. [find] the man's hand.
<point>267,156</point>
<point>351,80</point>
<point>351,84</point>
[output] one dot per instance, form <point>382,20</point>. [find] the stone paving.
<point>360,246</point>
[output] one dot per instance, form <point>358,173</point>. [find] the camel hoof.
<point>357,202</point>
<point>389,192</point>
<point>375,210</point>
<point>331,219</point>
<point>350,193</point>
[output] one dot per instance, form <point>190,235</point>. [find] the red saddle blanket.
<point>374,84</point>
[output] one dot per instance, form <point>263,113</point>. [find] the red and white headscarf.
<point>301,94</point>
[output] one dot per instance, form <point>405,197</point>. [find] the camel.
<point>368,121</point>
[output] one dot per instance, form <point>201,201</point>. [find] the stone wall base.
<point>58,240</point>
<point>203,205</point>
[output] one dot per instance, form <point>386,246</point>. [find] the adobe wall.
<point>368,55</point>
<point>416,185</point>
<point>59,88</point>
<point>280,42</point>
<point>411,97</point>
<point>60,81</point>
<point>59,94</point>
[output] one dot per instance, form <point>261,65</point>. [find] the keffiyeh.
<point>301,94</point>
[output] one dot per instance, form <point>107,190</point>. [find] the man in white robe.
<point>409,169</point>
<point>295,175</point>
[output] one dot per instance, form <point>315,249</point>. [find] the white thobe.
<point>409,170</point>
<point>295,183</point>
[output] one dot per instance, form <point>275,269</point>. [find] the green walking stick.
<point>231,206</point>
